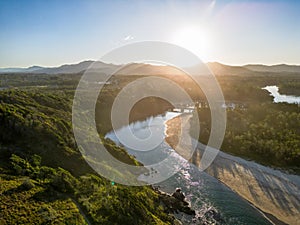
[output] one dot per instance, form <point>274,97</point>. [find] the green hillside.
<point>44,179</point>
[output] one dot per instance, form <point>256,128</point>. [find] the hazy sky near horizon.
<point>51,33</point>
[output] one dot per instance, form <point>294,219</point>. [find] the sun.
<point>193,39</point>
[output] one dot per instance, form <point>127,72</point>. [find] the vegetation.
<point>39,194</point>
<point>258,129</point>
<point>43,177</point>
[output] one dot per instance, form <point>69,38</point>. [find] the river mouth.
<point>203,191</point>
<point>274,92</point>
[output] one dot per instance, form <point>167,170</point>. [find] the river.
<point>274,92</point>
<point>205,192</point>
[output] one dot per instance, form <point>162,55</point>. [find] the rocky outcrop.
<point>174,203</point>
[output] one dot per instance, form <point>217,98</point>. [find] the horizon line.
<point>206,62</point>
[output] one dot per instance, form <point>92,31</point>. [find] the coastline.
<point>273,193</point>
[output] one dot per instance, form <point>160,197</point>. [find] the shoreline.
<point>273,195</point>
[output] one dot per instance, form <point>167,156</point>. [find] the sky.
<point>234,32</point>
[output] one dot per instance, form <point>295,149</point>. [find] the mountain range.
<point>141,69</point>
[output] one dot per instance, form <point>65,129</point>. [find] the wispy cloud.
<point>128,38</point>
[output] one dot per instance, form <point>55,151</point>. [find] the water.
<point>274,91</point>
<point>203,191</point>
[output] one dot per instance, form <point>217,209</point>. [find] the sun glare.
<point>193,39</point>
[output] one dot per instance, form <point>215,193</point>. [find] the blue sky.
<point>50,33</point>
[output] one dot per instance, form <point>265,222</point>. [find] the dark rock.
<point>176,203</point>
<point>178,194</point>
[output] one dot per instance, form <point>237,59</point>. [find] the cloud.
<point>128,38</point>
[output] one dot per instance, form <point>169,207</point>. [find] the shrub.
<point>27,185</point>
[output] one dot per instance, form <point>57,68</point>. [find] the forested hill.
<point>43,178</point>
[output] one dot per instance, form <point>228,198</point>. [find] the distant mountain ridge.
<point>20,70</point>
<point>63,69</point>
<point>274,68</point>
<point>221,69</point>
<point>141,69</point>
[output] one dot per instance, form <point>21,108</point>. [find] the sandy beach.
<point>272,191</point>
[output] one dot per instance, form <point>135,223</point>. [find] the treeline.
<point>267,133</point>
<point>247,89</point>
<point>25,80</point>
